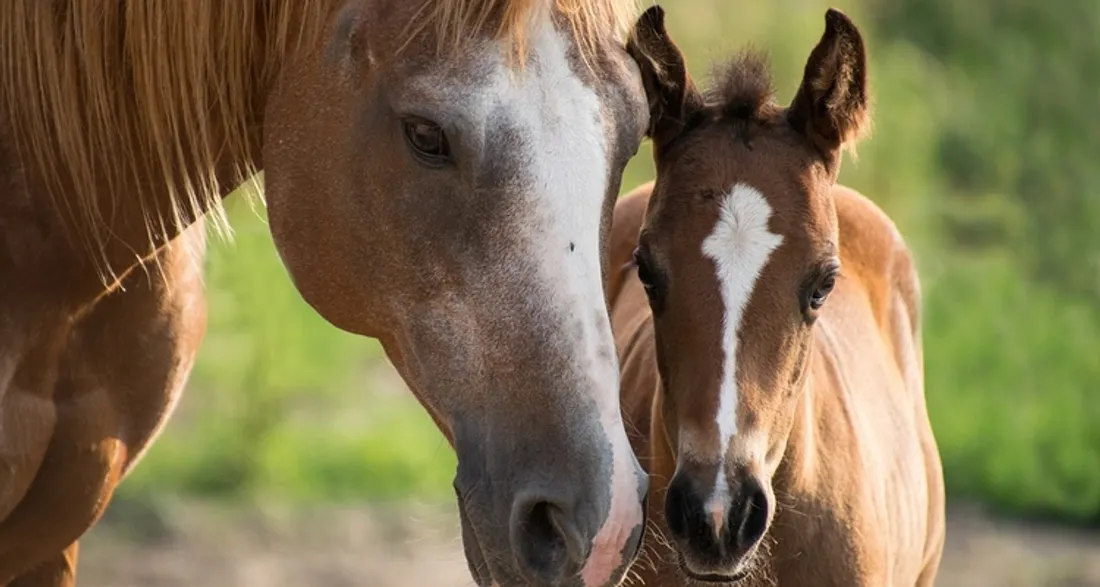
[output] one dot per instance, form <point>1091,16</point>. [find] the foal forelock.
<point>739,245</point>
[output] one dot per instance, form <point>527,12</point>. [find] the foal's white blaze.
<point>740,246</point>
<point>566,173</point>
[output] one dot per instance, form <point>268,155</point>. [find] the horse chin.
<point>475,556</point>
<point>739,572</point>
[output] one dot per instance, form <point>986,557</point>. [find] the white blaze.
<point>740,246</point>
<point>563,148</point>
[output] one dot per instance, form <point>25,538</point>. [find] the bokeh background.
<point>297,457</point>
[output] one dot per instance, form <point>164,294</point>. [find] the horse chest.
<point>872,491</point>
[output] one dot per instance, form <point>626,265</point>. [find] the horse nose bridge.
<point>580,325</point>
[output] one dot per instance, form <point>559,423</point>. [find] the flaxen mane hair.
<point>455,21</point>
<point>88,85</point>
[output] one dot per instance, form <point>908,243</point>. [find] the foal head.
<point>738,255</point>
<point>440,175</point>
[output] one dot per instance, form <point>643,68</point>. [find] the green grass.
<point>282,404</point>
<point>1012,383</point>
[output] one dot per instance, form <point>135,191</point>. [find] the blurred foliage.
<point>280,403</point>
<point>985,154</point>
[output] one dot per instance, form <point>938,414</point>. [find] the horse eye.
<point>427,139</point>
<point>822,292</point>
<point>653,282</point>
<point>645,274</point>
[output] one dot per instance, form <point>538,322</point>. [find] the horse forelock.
<point>111,91</point>
<point>455,22</point>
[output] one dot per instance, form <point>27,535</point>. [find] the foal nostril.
<point>548,546</point>
<point>754,517</point>
<point>678,510</point>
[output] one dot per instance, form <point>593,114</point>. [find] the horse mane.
<point>454,22</point>
<point>742,88</point>
<point>117,92</point>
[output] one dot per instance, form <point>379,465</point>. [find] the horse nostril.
<point>547,544</point>
<point>754,520</point>
<point>677,507</point>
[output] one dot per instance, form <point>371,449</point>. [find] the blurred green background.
<point>986,152</point>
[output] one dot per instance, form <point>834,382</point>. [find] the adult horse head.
<point>439,175</point>
<point>455,207</point>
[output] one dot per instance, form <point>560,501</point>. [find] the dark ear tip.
<point>837,21</point>
<point>654,17</point>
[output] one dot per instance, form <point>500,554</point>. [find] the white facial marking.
<point>570,183</point>
<point>740,246</point>
<point>563,149</point>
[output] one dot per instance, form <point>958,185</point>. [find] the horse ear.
<point>668,86</point>
<point>831,106</point>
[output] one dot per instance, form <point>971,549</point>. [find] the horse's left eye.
<point>817,299</point>
<point>427,139</point>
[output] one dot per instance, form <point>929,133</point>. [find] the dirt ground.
<point>194,545</point>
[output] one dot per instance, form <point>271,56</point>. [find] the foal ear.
<point>668,86</point>
<point>831,107</point>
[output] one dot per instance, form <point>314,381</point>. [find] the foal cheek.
<point>780,428</point>
<point>776,450</point>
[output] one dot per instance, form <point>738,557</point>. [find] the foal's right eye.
<point>645,274</point>
<point>651,281</point>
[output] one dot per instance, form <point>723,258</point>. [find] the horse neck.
<point>807,451</point>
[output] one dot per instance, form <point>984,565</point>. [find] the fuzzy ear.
<point>668,86</point>
<point>831,107</point>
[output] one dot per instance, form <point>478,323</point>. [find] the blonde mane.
<point>117,92</point>
<point>454,22</point>
<point>109,94</point>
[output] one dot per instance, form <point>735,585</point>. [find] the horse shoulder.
<point>639,383</point>
<point>630,319</point>
<point>874,253</point>
<point>119,372</point>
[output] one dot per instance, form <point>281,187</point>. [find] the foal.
<point>767,323</point>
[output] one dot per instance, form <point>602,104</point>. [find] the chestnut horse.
<point>768,325</point>
<point>440,175</point>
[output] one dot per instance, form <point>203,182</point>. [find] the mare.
<point>768,325</point>
<point>439,175</point>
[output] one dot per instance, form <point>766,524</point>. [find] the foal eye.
<point>427,140</point>
<point>652,282</point>
<point>645,273</point>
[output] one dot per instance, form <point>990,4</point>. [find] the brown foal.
<point>768,327</point>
